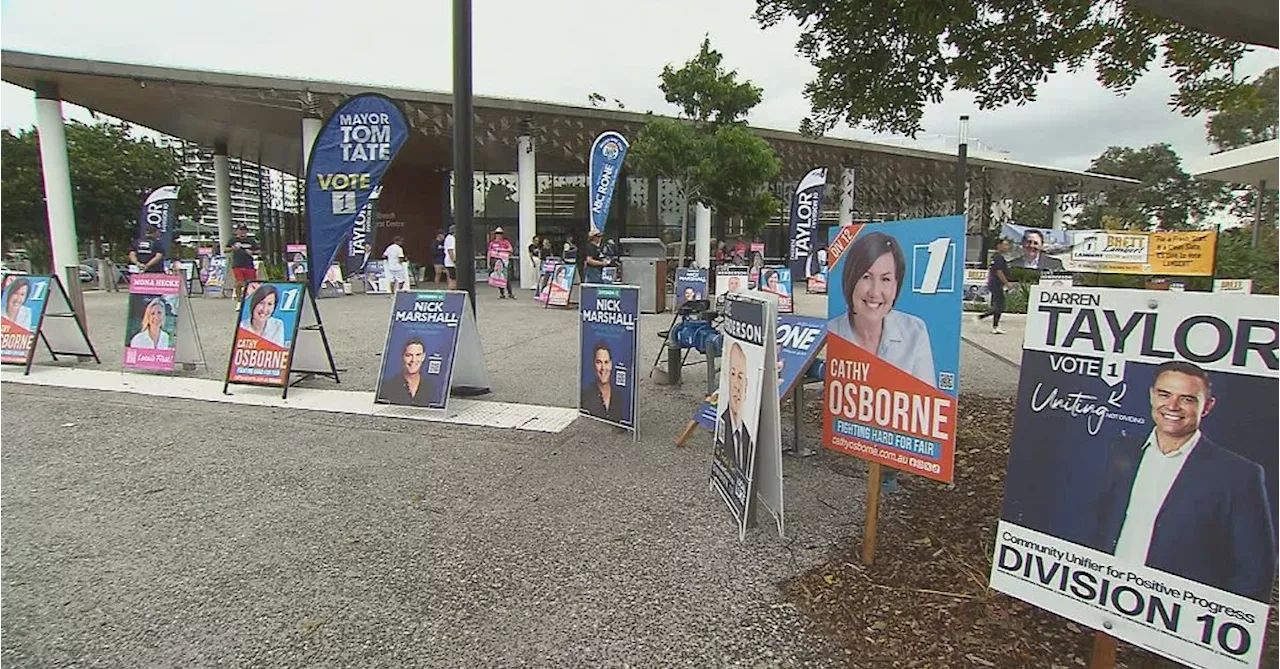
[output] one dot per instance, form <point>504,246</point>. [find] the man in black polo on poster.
<point>411,387</point>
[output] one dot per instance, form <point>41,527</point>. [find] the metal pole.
<point>463,187</point>
<point>1257,210</point>
<point>962,165</point>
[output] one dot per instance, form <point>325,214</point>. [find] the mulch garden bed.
<point>925,600</point>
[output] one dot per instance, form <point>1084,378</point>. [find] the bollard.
<point>674,361</point>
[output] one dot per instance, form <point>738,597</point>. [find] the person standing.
<point>147,253</point>
<point>594,263</point>
<point>500,252</point>
<point>397,273</point>
<point>437,257</point>
<point>451,258</point>
<point>997,280</point>
<point>242,250</point>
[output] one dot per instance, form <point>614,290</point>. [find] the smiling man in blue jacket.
<point>1179,503</point>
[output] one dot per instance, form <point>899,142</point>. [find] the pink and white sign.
<point>151,331</point>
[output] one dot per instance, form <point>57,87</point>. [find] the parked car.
<point>88,273</point>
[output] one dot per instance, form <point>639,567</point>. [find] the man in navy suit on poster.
<point>1179,503</point>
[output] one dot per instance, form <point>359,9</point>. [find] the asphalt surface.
<point>143,532</point>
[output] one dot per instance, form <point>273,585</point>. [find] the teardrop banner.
<point>350,156</point>
<point>604,169</point>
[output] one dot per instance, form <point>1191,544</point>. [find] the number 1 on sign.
<point>37,289</point>
<point>937,259</point>
<point>290,300</point>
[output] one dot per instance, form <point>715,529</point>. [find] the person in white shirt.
<point>151,336</point>
<point>451,258</point>
<point>397,273</point>
<point>875,268</point>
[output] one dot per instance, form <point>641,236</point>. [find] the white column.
<point>57,181</point>
<point>310,130</point>
<point>527,196</point>
<point>1059,216</point>
<point>702,234</point>
<point>847,198</point>
<point>222,194</point>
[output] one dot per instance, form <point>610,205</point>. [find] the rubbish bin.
<point>644,264</point>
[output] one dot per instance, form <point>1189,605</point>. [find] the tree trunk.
<point>684,225</point>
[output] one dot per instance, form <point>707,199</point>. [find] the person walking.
<point>997,280</point>
<point>500,252</point>
<point>242,250</point>
<point>437,257</point>
<point>397,272</point>
<point>451,258</point>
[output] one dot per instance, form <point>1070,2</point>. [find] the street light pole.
<point>463,135</point>
<point>962,166</point>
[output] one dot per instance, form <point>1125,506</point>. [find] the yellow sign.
<point>1162,253</point>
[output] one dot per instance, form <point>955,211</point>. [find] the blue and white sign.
<point>351,155</point>
<point>605,164</point>
<point>608,340</point>
<point>691,284</point>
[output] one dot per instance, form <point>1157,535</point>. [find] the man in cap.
<point>451,257</point>
<point>148,253</point>
<point>595,262</point>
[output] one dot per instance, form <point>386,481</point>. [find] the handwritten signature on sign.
<point>1078,404</point>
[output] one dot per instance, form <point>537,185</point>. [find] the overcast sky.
<point>560,51</point>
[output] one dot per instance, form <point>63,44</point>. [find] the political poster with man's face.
<point>732,279</point>
<point>691,284</point>
<point>24,301</point>
<point>607,343</point>
<point>1141,492</point>
<point>421,348</point>
<point>738,417</point>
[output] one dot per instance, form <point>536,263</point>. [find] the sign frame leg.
<point>875,475</point>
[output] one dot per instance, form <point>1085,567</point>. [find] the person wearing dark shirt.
<point>437,257</point>
<point>242,250</point>
<point>411,387</point>
<point>148,253</point>
<point>595,262</point>
<point>598,397</point>
<point>997,279</point>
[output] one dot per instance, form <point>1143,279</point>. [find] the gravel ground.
<point>178,533</point>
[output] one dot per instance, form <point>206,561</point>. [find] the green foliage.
<point>1253,120</point>
<point>880,63</point>
<point>716,160</point>
<point>1238,258</point>
<point>1017,297</point>
<point>111,173</point>
<point>1168,195</point>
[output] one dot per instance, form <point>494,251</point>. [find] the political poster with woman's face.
<point>24,301</point>
<point>150,336</point>
<point>893,348</point>
<point>777,281</point>
<point>264,337</point>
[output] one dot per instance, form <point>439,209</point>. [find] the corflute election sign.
<point>24,303</point>
<point>159,211</point>
<point>893,348</point>
<point>422,343</point>
<point>607,342</point>
<point>263,343</point>
<point>352,153</point>
<point>1141,492</point>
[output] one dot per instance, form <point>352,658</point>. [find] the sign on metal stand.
<point>36,307</point>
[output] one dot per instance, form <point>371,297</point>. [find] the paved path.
<point>168,532</point>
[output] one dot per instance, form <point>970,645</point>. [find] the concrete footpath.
<point>144,531</point>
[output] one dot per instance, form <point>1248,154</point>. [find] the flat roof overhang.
<point>259,119</point>
<point>1246,165</point>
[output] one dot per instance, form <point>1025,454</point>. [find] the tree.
<point>1253,121</point>
<point>112,173</point>
<point>709,152</point>
<point>880,63</point>
<point>1168,195</point>
<point>1238,258</point>
<point>21,191</point>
